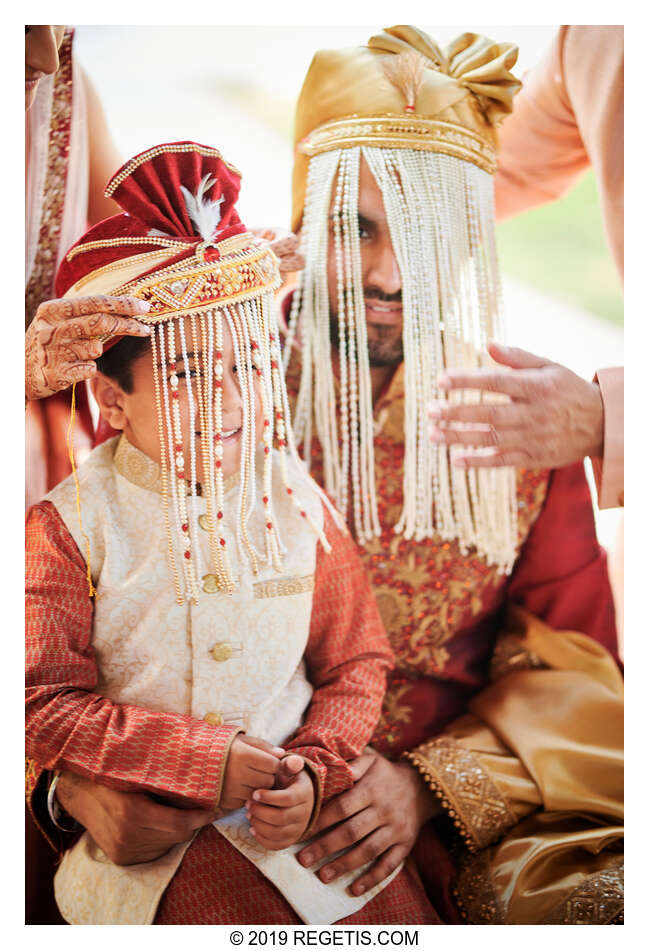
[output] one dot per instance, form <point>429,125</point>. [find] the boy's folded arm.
<point>347,657</point>
<point>68,726</point>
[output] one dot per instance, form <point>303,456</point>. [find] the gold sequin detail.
<point>283,588</point>
<point>471,798</point>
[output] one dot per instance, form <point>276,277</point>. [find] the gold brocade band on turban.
<point>347,99</point>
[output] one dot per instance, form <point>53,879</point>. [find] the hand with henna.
<point>66,337</point>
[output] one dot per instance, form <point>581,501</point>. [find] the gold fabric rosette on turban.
<point>463,94</point>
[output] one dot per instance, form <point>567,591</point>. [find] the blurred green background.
<point>560,249</point>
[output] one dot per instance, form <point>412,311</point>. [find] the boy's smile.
<point>136,413</point>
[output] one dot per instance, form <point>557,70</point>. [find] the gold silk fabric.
<point>466,90</point>
<point>532,777</point>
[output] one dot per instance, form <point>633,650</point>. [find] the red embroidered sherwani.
<point>72,726</point>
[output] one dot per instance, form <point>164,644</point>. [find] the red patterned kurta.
<point>131,747</point>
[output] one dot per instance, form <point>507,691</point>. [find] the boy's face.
<point>137,415</point>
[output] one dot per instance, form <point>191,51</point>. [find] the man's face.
<point>141,418</point>
<point>42,44</point>
<point>381,276</point>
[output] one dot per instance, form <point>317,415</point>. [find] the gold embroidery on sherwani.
<point>137,467</point>
<point>475,894</point>
<point>140,470</point>
<point>597,900</point>
<point>284,587</point>
<point>472,799</point>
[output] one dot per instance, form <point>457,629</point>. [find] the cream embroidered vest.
<point>234,658</point>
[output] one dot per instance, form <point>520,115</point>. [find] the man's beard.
<point>383,347</point>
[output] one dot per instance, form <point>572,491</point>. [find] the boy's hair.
<point>117,362</point>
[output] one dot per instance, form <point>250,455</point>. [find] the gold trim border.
<point>152,153</point>
<point>393,131</point>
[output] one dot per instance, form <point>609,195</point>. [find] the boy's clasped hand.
<point>275,788</point>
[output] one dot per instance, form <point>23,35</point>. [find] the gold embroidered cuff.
<point>597,900</point>
<point>471,798</point>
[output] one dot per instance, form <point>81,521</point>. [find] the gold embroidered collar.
<point>140,470</point>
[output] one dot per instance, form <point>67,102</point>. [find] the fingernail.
<point>143,306</point>
<point>306,858</point>
<point>459,463</point>
<point>327,875</point>
<point>434,412</point>
<point>256,796</point>
<point>358,889</point>
<point>278,750</point>
<point>442,382</point>
<point>435,434</point>
<point>252,832</point>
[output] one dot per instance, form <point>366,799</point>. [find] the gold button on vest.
<point>214,718</point>
<point>221,652</point>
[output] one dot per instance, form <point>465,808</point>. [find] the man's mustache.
<point>381,297</point>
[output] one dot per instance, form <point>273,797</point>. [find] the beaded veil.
<point>423,120</point>
<point>181,246</point>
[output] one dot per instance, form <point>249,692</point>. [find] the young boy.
<point>219,634</point>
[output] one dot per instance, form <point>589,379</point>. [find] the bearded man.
<point>500,738</point>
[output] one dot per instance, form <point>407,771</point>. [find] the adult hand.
<point>380,818</point>
<point>252,763</point>
<point>129,827</point>
<point>285,246</point>
<point>554,418</point>
<point>66,337</point>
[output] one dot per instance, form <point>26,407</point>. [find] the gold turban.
<point>458,98</point>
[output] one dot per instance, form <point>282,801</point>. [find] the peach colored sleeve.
<point>569,115</point>
<point>609,470</point>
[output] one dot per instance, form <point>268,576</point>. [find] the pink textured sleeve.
<point>68,726</point>
<point>609,470</point>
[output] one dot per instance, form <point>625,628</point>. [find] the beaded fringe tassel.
<point>440,215</point>
<point>255,335</point>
